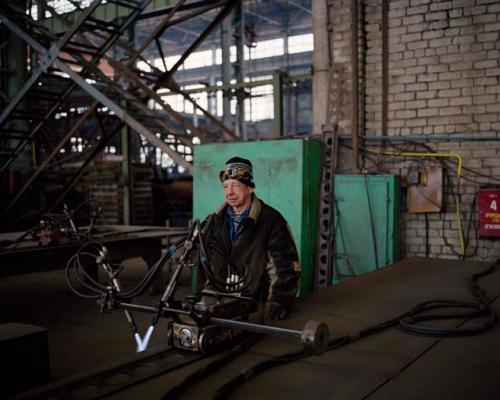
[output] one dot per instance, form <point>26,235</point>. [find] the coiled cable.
<point>407,322</point>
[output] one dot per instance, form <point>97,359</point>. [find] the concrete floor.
<point>80,337</point>
<point>387,365</point>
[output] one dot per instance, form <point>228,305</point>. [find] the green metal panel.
<point>286,174</point>
<point>366,224</point>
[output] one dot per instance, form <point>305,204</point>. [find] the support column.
<point>321,64</point>
<point>226,71</point>
<point>239,37</point>
<point>16,65</point>
<point>126,177</point>
<point>354,87</point>
<point>278,103</point>
<point>127,144</point>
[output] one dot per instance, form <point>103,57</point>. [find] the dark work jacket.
<point>264,252</point>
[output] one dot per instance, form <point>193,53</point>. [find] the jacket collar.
<point>255,208</point>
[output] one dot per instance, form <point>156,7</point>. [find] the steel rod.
<point>248,326</point>
<point>230,323</point>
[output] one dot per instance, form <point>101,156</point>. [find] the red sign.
<point>489,212</point>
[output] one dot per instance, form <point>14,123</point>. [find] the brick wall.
<point>444,80</point>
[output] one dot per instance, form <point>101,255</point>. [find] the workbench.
<point>122,241</point>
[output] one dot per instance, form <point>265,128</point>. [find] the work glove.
<point>273,310</point>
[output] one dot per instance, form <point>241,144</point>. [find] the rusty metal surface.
<point>387,365</point>
<point>104,382</point>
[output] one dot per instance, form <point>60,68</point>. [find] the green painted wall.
<point>363,202</point>
<point>286,174</point>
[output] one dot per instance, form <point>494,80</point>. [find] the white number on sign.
<point>493,205</point>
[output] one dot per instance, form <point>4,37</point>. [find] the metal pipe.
<point>247,326</point>
<point>385,67</point>
<point>244,85</point>
<point>230,323</point>
<point>425,138</point>
<point>354,87</point>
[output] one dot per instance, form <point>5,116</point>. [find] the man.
<point>249,245</point>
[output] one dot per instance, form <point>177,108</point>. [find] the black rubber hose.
<point>481,308</point>
<point>219,284</point>
<point>210,368</point>
<point>153,272</point>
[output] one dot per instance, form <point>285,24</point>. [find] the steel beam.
<point>107,44</point>
<point>226,70</point>
<point>157,32</point>
<point>48,58</point>
<point>120,113</point>
<point>46,162</point>
<point>218,19</point>
<point>300,7</point>
<point>99,147</point>
<point>126,177</point>
<point>124,116</point>
<point>278,103</point>
<point>239,67</point>
<point>128,74</point>
<point>152,94</point>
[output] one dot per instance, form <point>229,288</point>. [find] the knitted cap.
<point>240,169</point>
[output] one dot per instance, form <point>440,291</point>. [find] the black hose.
<point>75,263</point>
<point>406,322</point>
<point>210,368</point>
<point>219,284</point>
<point>153,272</point>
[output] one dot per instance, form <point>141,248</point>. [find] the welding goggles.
<point>238,173</point>
<point>233,173</point>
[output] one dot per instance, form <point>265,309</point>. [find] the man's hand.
<point>274,310</point>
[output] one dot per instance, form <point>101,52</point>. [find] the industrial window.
<point>176,101</point>
<point>263,49</point>
<point>232,55</point>
<point>169,61</point>
<point>260,105</point>
<point>199,59</point>
<point>300,43</point>
<point>143,66</point>
<point>60,6</point>
<point>268,48</point>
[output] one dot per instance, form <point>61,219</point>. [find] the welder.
<point>249,244</point>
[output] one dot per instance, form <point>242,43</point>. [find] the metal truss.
<point>70,66</point>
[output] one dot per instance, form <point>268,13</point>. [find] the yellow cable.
<point>459,175</point>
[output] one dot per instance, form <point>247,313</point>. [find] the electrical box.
<point>425,190</point>
<point>286,174</point>
<point>488,202</point>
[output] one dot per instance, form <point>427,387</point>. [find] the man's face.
<point>238,195</point>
